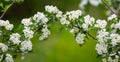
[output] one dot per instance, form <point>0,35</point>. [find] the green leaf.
<point>1,4</point>
<point>5,8</point>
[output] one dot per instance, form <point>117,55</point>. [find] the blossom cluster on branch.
<point>19,40</point>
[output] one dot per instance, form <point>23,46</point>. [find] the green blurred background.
<point>60,46</point>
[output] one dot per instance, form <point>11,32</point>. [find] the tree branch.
<point>7,10</point>
<point>91,35</point>
<point>111,9</point>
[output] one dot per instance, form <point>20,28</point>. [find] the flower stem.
<point>7,9</point>
<point>111,9</point>
<point>91,35</point>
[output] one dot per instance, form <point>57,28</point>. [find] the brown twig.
<point>7,10</point>
<point>91,35</point>
<point>111,9</point>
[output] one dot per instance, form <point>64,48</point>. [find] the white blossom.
<point>95,2</point>
<point>59,14</point>
<point>15,38</point>
<point>101,48</point>
<point>9,58</point>
<point>114,16</point>
<point>110,59</point>
<point>3,47</point>
<point>102,35</point>
<point>2,23</point>
<point>9,27</point>
<point>63,21</point>
<point>1,57</point>
<point>45,33</point>
<point>6,24</point>
<point>40,17</point>
<point>117,25</point>
<point>51,9</point>
<point>72,15</point>
<point>83,3</point>
<point>74,30</point>
<point>28,33</point>
<point>88,21</point>
<point>115,38</point>
<point>26,22</point>
<point>101,24</point>
<point>26,46</point>
<point>85,26</point>
<point>104,60</point>
<point>80,38</point>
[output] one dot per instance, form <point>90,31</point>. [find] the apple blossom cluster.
<point>111,17</point>
<point>72,15</point>
<point>15,38</point>
<point>67,19</point>
<point>6,24</point>
<point>42,20</point>
<point>28,33</point>
<point>101,23</point>
<point>80,38</point>
<point>26,46</point>
<point>45,33</point>
<point>88,21</point>
<point>9,58</point>
<point>108,38</point>
<point>3,47</point>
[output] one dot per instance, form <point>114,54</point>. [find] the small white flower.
<point>45,33</point>
<point>92,2</point>
<point>101,48</point>
<point>102,35</point>
<point>9,58</point>
<point>26,22</point>
<point>1,22</point>
<point>9,27</point>
<point>59,14</point>
<point>1,57</point>
<point>15,38</point>
<point>101,24</point>
<point>3,47</point>
<point>40,17</point>
<point>114,16</point>
<point>85,26</point>
<point>110,59</point>
<point>117,25</point>
<point>51,9</point>
<point>83,3</point>
<point>89,20</point>
<point>72,15</point>
<point>5,23</point>
<point>80,38</point>
<point>63,21</point>
<point>26,46</point>
<point>95,2</point>
<point>115,38</point>
<point>104,60</point>
<point>74,30</point>
<point>28,33</point>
